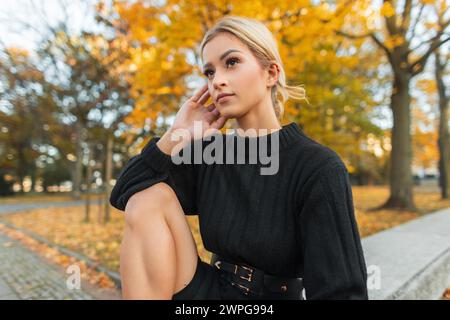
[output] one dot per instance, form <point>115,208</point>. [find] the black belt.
<point>258,284</point>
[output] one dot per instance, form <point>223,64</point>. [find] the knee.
<point>148,202</point>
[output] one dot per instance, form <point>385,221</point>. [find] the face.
<point>230,67</point>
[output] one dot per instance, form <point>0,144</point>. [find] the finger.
<point>219,123</point>
<point>212,116</point>
<point>199,93</point>
<point>204,97</point>
<point>211,107</point>
<point>213,113</point>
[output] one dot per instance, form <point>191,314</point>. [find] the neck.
<point>259,117</point>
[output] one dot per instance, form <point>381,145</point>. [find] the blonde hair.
<point>261,42</point>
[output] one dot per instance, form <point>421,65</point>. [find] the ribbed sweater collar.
<point>288,134</point>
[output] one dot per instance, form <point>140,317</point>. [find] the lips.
<point>223,95</point>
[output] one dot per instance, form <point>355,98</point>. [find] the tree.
<point>162,41</point>
<point>406,61</point>
<point>55,173</point>
<point>86,97</point>
<point>440,62</point>
<point>26,104</point>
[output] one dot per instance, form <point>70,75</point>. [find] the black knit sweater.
<point>298,222</point>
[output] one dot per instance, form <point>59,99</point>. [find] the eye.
<point>206,73</point>
<point>232,59</point>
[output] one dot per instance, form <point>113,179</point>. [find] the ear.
<point>273,72</point>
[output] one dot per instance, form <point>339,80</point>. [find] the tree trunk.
<point>401,182</point>
<point>108,175</point>
<point>22,170</point>
<point>78,169</point>
<point>21,182</point>
<point>33,179</point>
<point>101,193</point>
<point>443,139</point>
<point>100,207</point>
<point>88,186</point>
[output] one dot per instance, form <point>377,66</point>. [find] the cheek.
<point>210,89</point>
<point>252,87</point>
<point>244,78</point>
<point>247,81</point>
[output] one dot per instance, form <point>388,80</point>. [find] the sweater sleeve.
<point>333,260</point>
<point>151,166</point>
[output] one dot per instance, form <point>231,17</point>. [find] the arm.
<point>154,164</point>
<point>334,265</point>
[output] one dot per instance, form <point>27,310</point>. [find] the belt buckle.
<point>247,290</point>
<point>249,279</point>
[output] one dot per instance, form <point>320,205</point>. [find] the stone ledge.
<point>413,259</point>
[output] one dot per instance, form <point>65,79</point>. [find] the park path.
<point>24,275</point>
<point>12,208</point>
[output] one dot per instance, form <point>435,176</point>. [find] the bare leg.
<point>158,254</point>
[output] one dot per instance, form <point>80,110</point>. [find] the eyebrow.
<point>221,57</point>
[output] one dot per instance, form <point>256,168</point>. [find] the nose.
<point>219,81</point>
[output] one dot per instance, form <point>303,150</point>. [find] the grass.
<point>369,222</point>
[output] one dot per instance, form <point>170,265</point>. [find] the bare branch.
<point>419,64</point>
<point>43,16</point>
<point>413,30</point>
<point>406,16</point>
<point>382,46</point>
<point>352,36</point>
<point>379,43</point>
<point>367,35</point>
<point>423,42</point>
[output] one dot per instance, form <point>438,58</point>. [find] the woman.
<point>272,235</point>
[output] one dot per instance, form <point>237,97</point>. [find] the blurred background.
<point>85,84</point>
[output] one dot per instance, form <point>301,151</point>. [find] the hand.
<point>194,110</point>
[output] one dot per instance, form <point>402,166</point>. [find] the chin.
<point>226,112</point>
<point>231,113</point>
